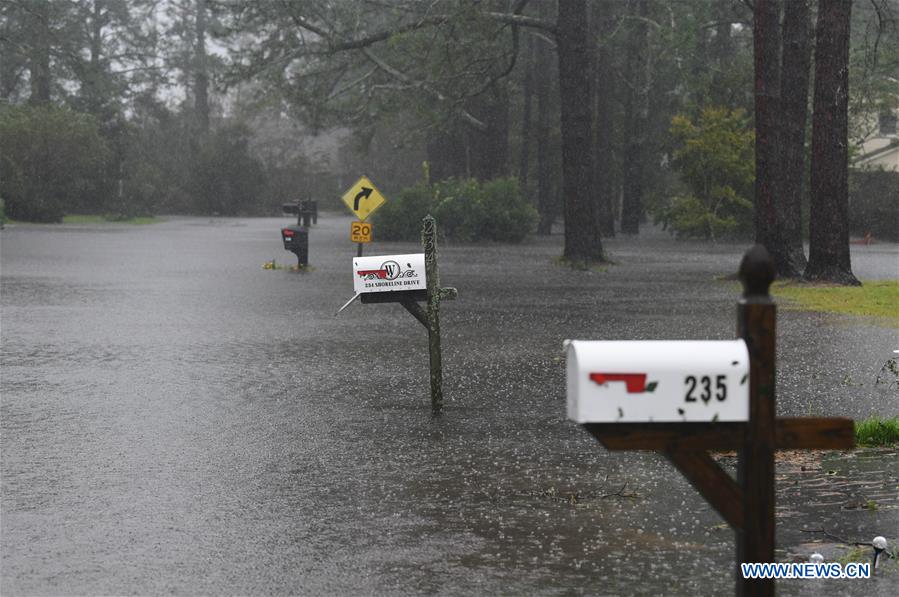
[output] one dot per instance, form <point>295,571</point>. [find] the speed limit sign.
<point>360,232</point>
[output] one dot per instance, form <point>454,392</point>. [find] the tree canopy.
<point>235,106</point>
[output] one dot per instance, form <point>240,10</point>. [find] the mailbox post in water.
<point>684,398</point>
<point>408,280</point>
<point>296,238</point>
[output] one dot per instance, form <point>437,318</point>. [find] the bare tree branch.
<point>399,75</point>
<point>524,21</point>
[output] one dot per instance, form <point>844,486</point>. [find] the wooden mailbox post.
<point>747,504</point>
<point>429,315</point>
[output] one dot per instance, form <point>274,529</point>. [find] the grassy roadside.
<point>875,298</point>
<point>137,220</point>
<point>877,432</point>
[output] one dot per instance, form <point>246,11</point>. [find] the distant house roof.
<point>880,147</point>
<point>884,156</point>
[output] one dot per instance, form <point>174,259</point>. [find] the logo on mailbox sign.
<point>634,382</point>
<point>389,270</point>
<point>388,273</point>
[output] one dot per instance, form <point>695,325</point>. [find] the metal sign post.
<point>363,198</point>
<point>747,504</point>
<point>360,233</point>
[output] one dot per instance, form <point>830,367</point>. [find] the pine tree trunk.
<point>582,242</point>
<point>636,116</point>
<point>604,121</point>
<point>527,92</point>
<point>92,83</point>
<point>766,44</point>
<point>542,87</point>
<point>723,50</point>
<point>446,151</point>
<point>795,65</point>
<point>39,58</point>
<point>829,223</point>
<point>490,148</point>
<point>201,74</point>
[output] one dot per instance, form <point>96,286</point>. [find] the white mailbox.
<point>389,273</point>
<point>655,381</point>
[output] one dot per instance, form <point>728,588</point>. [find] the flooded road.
<point>177,419</point>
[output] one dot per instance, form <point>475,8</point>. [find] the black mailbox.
<point>312,207</point>
<point>296,240</point>
<point>306,211</point>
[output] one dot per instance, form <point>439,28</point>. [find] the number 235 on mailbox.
<point>657,381</point>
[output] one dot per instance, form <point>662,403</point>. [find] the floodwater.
<point>177,419</point>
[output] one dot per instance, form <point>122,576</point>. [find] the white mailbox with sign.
<point>389,273</point>
<point>656,381</point>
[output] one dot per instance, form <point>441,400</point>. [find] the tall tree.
<point>582,241</point>
<point>636,119</point>
<point>605,118</point>
<point>546,204</point>
<point>39,24</point>
<point>15,63</point>
<point>201,68</point>
<point>722,50</point>
<point>766,44</point>
<point>447,152</point>
<point>527,96</point>
<point>829,258</point>
<point>188,61</point>
<point>98,94</point>
<point>489,147</point>
<point>794,85</point>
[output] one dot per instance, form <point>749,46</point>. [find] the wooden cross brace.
<point>747,504</point>
<point>686,445</point>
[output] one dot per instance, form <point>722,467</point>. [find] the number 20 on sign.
<point>360,232</point>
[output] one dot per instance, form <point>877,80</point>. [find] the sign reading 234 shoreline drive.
<point>389,273</point>
<point>656,381</point>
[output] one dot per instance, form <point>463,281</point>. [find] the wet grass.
<point>584,266</point>
<point>85,219</point>
<point>876,431</point>
<point>272,265</point>
<point>875,298</point>
<point>864,554</point>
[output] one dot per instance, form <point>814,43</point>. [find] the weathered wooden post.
<point>432,275</point>
<point>756,325</point>
<point>384,279</point>
<point>747,504</point>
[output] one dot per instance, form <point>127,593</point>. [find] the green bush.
<point>465,209</point>
<point>225,178</point>
<point>715,160</point>
<point>50,159</point>
<point>508,215</point>
<point>459,209</point>
<point>400,218</point>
